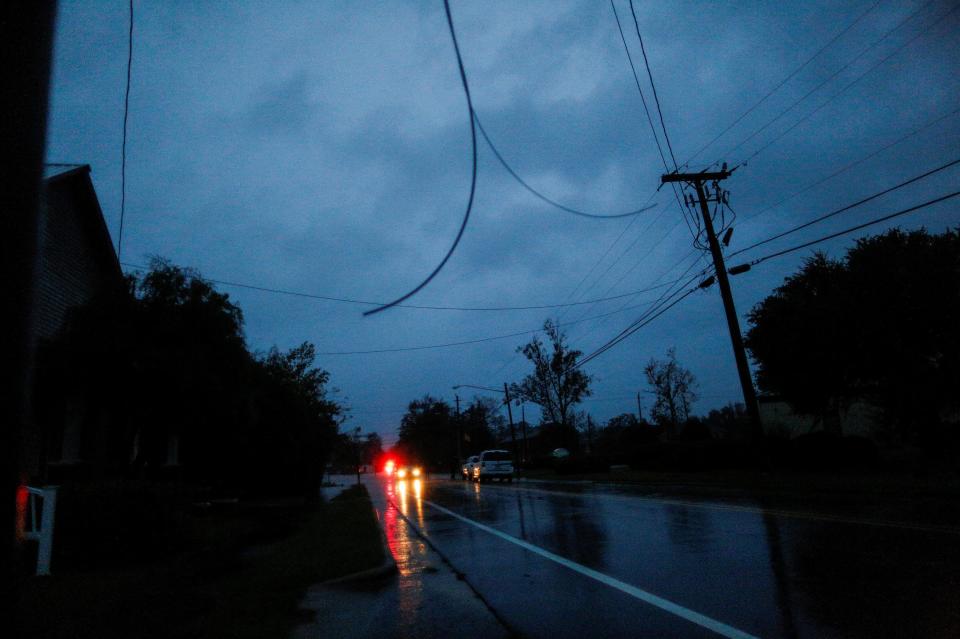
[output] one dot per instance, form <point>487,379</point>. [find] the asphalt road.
<point>577,560</point>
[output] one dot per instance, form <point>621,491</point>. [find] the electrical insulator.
<point>707,283</point>
<point>740,268</point>
<point>726,236</point>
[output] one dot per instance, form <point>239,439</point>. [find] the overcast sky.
<point>325,148</point>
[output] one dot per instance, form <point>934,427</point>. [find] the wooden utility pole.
<point>523,427</point>
<point>513,432</point>
<point>639,408</point>
<point>743,369</point>
<point>459,440</point>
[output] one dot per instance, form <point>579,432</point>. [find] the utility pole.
<point>639,408</point>
<point>513,432</point>
<point>523,427</point>
<point>743,370</point>
<point>453,472</point>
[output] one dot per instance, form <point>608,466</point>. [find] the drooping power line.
<point>516,176</point>
<point>473,174</point>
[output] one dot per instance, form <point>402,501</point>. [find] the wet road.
<point>567,560</point>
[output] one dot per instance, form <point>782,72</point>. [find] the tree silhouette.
<point>555,385</point>
<point>878,325</point>
<point>674,391</point>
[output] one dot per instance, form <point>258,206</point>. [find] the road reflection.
<point>408,550</point>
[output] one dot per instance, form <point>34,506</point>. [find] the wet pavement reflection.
<point>765,572</point>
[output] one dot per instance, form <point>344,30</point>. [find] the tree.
<point>555,385</point>
<point>372,449</point>
<point>879,325</point>
<point>164,363</point>
<point>427,432</point>
<point>297,423</point>
<point>674,391</point>
<point>480,424</point>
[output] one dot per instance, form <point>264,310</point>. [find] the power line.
<point>640,323</point>
<point>636,326</point>
<point>646,109</point>
<point>587,275</point>
<point>473,173</point>
<point>860,202</point>
<point>873,68</point>
<point>479,340</point>
<point>849,166</point>
<point>783,82</point>
<point>653,86</point>
<point>346,300</point>
<point>123,146</point>
<point>516,176</point>
<point>636,79</point>
<point>878,220</point>
<point>828,79</point>
<point>651,309</point>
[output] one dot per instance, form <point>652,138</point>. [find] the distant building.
<point>76,264</point>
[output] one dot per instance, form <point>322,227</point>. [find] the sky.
<point>325,148</point>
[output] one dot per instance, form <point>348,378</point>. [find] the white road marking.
<point>664,604</point>
<point>792,514</point>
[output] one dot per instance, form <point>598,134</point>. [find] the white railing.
<point>42,502</point>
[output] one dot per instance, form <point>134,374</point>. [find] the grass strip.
<point>221,588</point>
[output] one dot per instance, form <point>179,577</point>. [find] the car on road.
<point>468,466</point>
<point>408,471</point>
<point>494,464</point>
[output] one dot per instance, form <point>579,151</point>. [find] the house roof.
<point>77,176</point>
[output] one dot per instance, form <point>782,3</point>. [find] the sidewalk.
<point>423,599</point>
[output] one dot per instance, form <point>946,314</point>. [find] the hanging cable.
<point>516,176</point>
<point>473,173</point>
<point>123,145</point>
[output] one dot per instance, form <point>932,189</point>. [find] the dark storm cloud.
<point>325,148</point>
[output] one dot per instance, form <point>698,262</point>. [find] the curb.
<point>387,568</point>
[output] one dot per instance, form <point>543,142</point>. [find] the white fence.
<point>37,523</point>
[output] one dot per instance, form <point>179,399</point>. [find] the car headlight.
<point>402,473</point>
<point>415,472</point>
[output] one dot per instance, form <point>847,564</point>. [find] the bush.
<point>576,464</point>
<point>827,451</point>
<point>694,455</point>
